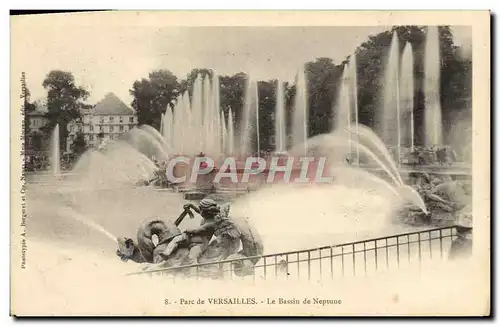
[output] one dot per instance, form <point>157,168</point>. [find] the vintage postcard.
<point>250,163</point>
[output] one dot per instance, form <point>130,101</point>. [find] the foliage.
<point>79,144</point>
<point>153,95</point>
<point>188,83</point>
<point>36,140</point>
<point>65,101</point>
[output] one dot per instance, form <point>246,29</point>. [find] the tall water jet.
<point>433,120</point>
<point>55,151</point>
<point>342,111</point>
<point>390,118</point>
<point>279,121</point>
<point>249,123</point>
<point>300,113</point>
<point>178,120</point>
<point>189,141</point>
<point>162,121</point>
<point>224,136</point>
<point>230,133</point>
<point>406,77</point>
<point>197,111</point>
<point>216,119</point>
<point>354,89</point>
<point>168,124</point>
<point>207,115</point>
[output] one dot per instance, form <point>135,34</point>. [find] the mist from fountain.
<point>370,140</point>
<point>433,124</point>
<point>389,114</point>
<point>335,147</point>
<point>144,140</point>
<point>407,90</point>
<point>158,137</point>
<point>300,115</point>
<point>108,169</point>
<point>55,159</point>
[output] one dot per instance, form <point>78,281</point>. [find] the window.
<point>121,128</point>
<point>101,129</point>
<point>91,128</point>
<point>101,119</point>
<point>91,137</point>
<point>110,128</point>
<point>130,126</point>
<point>131,120</point>
<point>121,119</point>
<point>111,119</point>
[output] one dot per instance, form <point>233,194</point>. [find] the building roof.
<point>112,105</point>
<point>36,113</point>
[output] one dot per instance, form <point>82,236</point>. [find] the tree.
<point>455,75</point>
<point>152,96</point>
<point>79,144</point>
<point>65,101</point>
<point>36,141</point>
<point>323,78</point>
<point>232,92</point>
<point>267,116</point>
<point>188,83</point>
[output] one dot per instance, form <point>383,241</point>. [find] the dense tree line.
<point>323,78</point>
<point>161,88</point>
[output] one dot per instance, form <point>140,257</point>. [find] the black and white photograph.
<point>250,164</point>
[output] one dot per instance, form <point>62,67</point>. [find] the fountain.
<point>347,103</point>
<point>279,120</point>
<point>389,115</point>
<point>249,122</point>
<point>230,134</point>
<point>406,77</point>
<point>166,125</point>
<point>106,201</point>
<point>433,120</point>
<point>194,125</point>
<point>354,88</point>
<point>300,113</point>
<point>55,161</point>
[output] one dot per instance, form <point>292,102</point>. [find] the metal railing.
<point>348,259</point>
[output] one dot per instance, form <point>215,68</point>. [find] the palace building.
<point>107,119</point>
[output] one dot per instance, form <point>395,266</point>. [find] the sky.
<point>109,58</point>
